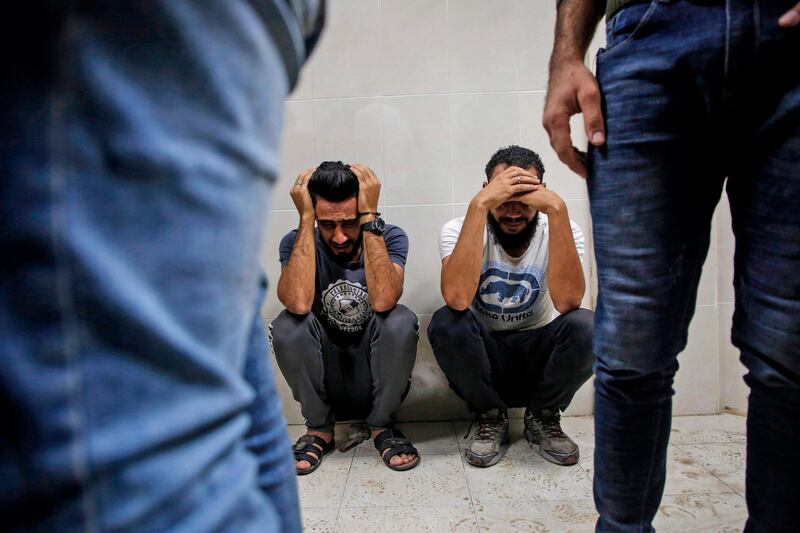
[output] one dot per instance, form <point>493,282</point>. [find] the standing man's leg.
<point>138,149</point>
<point>653,187</point>
<point>764,192</point>
<point>267,437</point>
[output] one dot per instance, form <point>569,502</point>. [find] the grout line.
<point>344,491</point>
<point>466,477</point>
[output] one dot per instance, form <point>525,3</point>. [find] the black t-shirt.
<point>341,298</point>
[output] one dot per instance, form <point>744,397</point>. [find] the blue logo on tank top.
<point>507,293</point>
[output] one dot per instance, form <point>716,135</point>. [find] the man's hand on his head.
<point>300,195</point>
<point>543,200</point>
<point>790,19</point>
<point>512,181</point>
<point>369,188</point>
<point>572,89</point>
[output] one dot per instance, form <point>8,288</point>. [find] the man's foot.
<point>485,446</point>
<point>308,451</point>
<point>401,461</point>
<point>544,428</point>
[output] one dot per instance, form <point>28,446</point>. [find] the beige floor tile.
<point>523,475</point>
<point>319,519</point>
<point>437,480</point>
<point>563,517</point>
<point>689,513</point>
<point>427,437</point>
<point>726,461</point>
<point>423,519</point>
<point>707,429</point>
<point>685,476</point>
<point>325,486</point>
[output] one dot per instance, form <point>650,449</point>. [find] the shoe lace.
<point>487,430</point>
<point>552,428</point>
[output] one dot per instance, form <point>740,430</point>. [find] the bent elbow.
<point>457,302</point>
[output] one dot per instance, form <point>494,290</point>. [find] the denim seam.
<point>79,452</point>
<point>627,40</point>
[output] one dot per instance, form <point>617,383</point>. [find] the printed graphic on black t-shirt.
<point>346,305</point>
<point>341,298</point>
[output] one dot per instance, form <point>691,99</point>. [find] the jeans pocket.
<point>625,25</point>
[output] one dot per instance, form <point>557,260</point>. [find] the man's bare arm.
<point>572,87</point>
<point>384,278</point>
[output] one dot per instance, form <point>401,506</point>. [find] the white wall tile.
<point>533,135</point>
<point>707,286</point>
<point>697,381</point>
<point>303,89</point>
<point>535,25</point>
<point>481,124</point>
<point>413,47</point>
<point>733,391</point>
<point>725,248</point>
<point>421,291</point>
<point>416,133</point>
<point>297,149</point>
<point>579,212</point>
<point>482,45</point>
<point>347,59</point>
<point>350,131</point>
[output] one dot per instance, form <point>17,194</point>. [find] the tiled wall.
<point>424,91</point>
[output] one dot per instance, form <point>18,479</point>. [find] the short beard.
<point>515,241</point>
<point>348,257</point>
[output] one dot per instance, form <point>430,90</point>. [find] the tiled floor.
<point>355,492</point>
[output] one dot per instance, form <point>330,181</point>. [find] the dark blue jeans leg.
<point>764,192</point>
<point>267,437</point>
<point>653,189</point>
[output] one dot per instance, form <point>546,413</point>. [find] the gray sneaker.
<point>544,428</point>
<point>485,446</point>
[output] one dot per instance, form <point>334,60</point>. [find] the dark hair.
<point>334,181</point>
<point>515,156</point>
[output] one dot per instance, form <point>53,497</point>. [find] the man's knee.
<point>578,325</point>
<point>400,323</point>
<point>292,336</point>
<point>449,326</point>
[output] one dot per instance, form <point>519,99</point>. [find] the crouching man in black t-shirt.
<point>344,345</point>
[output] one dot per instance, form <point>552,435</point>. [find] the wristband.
<point>376,213</point>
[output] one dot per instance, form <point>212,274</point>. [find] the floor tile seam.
<point>466,479</point>
<point>344,491</point>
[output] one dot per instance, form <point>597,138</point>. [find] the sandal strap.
<point>313,444</point>
<point>300,456</point>
<point>395,442</point>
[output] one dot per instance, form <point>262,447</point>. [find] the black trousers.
<point>538,369</point>
<point>364,380</point>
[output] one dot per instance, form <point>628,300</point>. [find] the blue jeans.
<point>138,145</point>
<point>693,94</point>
